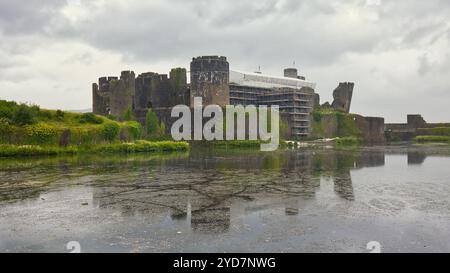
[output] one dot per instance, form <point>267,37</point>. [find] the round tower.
<point>210,80</point>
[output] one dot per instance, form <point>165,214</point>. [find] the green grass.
<point>438,131</point>
<point>432,139</point>
<point>348,141</point>
<point>236,144</point>
<point>141,146</point>
<point>7,150</point>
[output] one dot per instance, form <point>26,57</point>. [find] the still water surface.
<point>313,200</point>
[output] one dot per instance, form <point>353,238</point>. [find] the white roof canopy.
<point>266,81</point>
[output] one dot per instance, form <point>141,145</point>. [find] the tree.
<point>162,128</point>
<point>59,115</point>
<point>151,123</point>
<point>128,116</point>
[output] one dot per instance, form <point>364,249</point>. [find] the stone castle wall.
<point>408,131</point>
<point>149,90</point>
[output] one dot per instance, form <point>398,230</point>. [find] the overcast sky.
<point>396,51</point>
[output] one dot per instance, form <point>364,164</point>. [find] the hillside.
<point>23,124</point>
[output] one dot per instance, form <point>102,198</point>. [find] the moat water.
<point>313,200</point>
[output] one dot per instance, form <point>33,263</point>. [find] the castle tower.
<point>210,80</point>
<point>101,94</point>
<point>179,89</point>
<point>122,94</point>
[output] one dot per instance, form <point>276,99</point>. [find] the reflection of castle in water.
<point>203,188</point>
<point>416,157</point>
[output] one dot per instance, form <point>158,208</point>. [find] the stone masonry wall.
<point>210,80</point>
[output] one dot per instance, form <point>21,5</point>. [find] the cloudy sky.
<point>396,51</point>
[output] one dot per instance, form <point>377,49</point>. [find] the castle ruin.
<point>212,79</point>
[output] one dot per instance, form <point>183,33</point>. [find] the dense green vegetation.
<point>154,128</point>
<point>328,123</point>
<point>432,139</point>
<point>29,130</point>
<point>22,124</point>
<point>433,135</point>
<point>348,141</point>
<point>140,146</point>
<point>438,131</point>
<point>8,150</point>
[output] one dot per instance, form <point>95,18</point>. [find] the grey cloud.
<point>319,35</point>
<point>259,29</point>
<point>20,17</point>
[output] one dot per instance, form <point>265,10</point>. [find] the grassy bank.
<point>235,144</point>
<point>348,141</point>
<point>432,139</point>
<point>22,124</point>
<point>141,146</point>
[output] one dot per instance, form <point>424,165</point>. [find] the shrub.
<point>23,115</point>
<point>83,136</point>
<point>110,131</point>
<point>41,133</point>
<point>43,115</point>
<point>135,129</point>
<point>348,141</point>
<point>7,109</point>
<point>5,130</point>
<point>59,115</point>
<point>90,119</point>
<point>111,117</point>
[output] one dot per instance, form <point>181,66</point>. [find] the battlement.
<point>126,73</point>
<point>147,75</point>
<point>209,64</point>
<point>210,58</point>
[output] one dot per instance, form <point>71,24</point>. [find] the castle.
<point>212,79</point>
